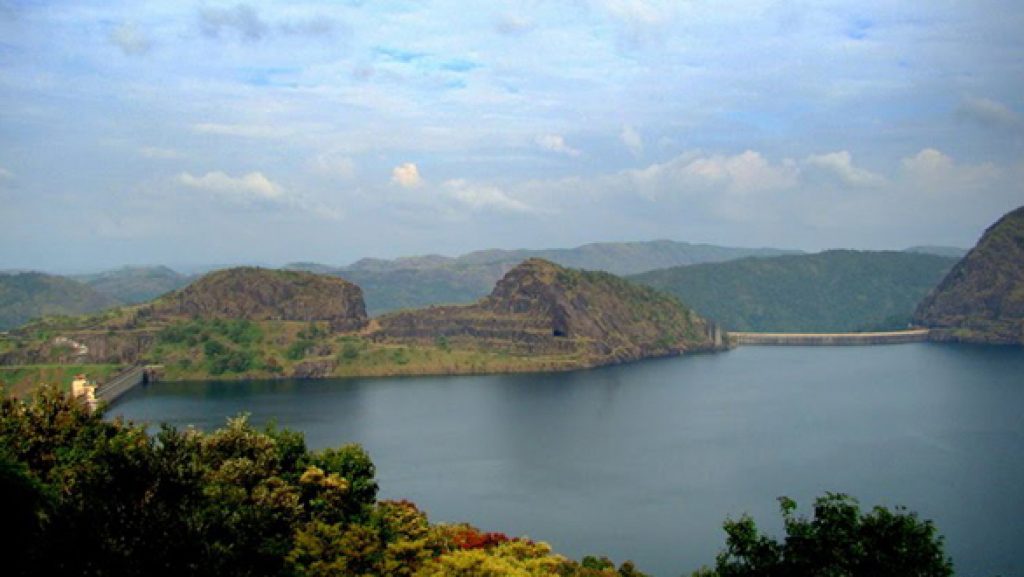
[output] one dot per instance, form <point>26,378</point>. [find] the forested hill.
<point>982,298</point>
<point>28,295</point>
<point>414,282</point>
<point>831,291</point>
<point>135,284</point>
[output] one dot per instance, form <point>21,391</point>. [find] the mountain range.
<point>388,285</point>
<point>413,282</point>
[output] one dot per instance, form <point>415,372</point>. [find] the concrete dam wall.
<point>829,339</point>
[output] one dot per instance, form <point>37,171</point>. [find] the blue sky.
<point>210,132</point>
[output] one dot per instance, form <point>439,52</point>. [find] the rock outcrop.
<point>261,294</point>
<point>982,299</point>
<point>540,308</point>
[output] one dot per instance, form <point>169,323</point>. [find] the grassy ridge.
<point>21,380</point>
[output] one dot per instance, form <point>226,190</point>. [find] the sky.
<point>189,133</point>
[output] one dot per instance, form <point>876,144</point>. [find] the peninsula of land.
<point>246,323</point>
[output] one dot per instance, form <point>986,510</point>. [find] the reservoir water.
<point>644,461</point>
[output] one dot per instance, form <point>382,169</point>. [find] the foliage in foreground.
<point>84,496</point>
<point>839,541</point>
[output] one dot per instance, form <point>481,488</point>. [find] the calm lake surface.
<point>644,461</point>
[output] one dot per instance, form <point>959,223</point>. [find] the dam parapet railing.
<point>829,339</point>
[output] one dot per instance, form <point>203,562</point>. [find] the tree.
<point>839,541</point>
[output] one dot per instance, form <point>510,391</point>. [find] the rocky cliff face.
<point>982,298</point>
<point>540,308</point>
<point>261,294</point>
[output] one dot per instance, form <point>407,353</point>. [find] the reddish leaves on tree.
<point>470,538</point>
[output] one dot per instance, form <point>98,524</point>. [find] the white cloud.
<point>928,163</point>
<point>556,143</point>
<point>989,113</point>
<point>482,197</point>
<point>841,165</point>
<point>130,39</point>
<point>513,24</point>
<point>253,185</point>
<point>242,130</point>
<point>5,174</point>
<point>318,26</point>
<point>241,18</point>
<point>937,172</point>
<point>406,175</point>
<point>334,165</point>
<point>640,20</point>
<point>632,139</point>
<point>639,12</point>
<point>158,152</point>
<point>742,173</point>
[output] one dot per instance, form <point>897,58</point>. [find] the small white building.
<point>84,389</point>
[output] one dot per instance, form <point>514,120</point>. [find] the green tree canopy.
<point>838,541</point>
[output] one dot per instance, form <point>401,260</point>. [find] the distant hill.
<point>29,295</point>
<point>135,284</point>
<point>618,258</point>
<point>982,298</point>
<point>413,282</point>
<point>832,291</point>
<point>950,251</point>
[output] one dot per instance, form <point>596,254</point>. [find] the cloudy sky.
<point>206,132</point>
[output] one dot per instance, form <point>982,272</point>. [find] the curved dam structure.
<point>829,339</point>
